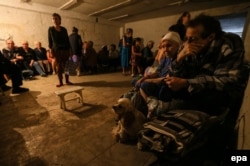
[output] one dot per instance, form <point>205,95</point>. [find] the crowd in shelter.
<point>196,66</point>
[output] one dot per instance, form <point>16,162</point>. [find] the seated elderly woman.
<point>154,76</point>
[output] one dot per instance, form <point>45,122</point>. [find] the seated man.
<point>103,60</point>
<point>11,53</point>
<point>209,70</point>
<point>41,57</point>
<point>29,59</point>
<point>7,67</point>
<point>114,57</point>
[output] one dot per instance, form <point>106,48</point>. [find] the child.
<point>136,57</point>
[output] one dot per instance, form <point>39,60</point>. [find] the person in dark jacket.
<point>59,47</point>
<point>76,46</point>
<point>8,67</point>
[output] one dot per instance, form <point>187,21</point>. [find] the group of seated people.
<point>207,71</point>
<point>21,63</point>
<point>31,61</point>
<point>92,60</point>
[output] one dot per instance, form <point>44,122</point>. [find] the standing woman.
<point>59,47</point>
<point>127,42</point>
<point>181,25</point>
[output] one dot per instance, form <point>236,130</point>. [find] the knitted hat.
<point>172,36</point>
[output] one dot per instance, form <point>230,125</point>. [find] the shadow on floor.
<point>104,84</point>
<point>86,109</point>
<point>17,116</point>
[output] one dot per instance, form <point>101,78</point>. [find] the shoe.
<point>44,75</point>
<point>152,104</point>
<point>59,85</point>
<point>19,90</point>
<point>69,83</point>
<point>5,87</point>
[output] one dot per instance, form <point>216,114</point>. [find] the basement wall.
<point>30,21</point>
<point>153,29</point>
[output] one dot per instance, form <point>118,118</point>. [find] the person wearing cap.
<point>76,47</point>
<point>151,84</point>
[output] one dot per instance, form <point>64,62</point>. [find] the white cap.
<point>172,36</point>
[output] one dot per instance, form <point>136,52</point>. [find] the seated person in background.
<point>147,54</point>
<point>9,68</point>
<point>41,57</point>
<point>114,56</point>
<point>181,24</point>
<point>103,59</point>
<point>209,69</point>
<point>52,61</point>
<point>11,53</point>
<point>29,59</point>
<point>152,84</point>
<point>89,57</point>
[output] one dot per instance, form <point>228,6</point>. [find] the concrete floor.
<point>35,131</point>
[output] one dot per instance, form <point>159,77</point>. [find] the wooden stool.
<point>73,89</point>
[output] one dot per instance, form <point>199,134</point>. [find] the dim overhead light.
<point>118,17</point>
<point>110,8</point>
<point>68,4</point>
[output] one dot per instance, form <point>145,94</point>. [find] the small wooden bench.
<point>73,89</point>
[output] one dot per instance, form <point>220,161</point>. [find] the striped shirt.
<point>221,67</point>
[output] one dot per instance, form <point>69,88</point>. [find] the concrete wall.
<point>153,29</point>
<point>24,21</point>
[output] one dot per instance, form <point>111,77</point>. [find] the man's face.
<point>38,45</point>
<point>25,45</point>
<point>194,36</point>
<point>150,45</point>
<point>10,44</point>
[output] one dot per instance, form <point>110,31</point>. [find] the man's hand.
<point>176,83</point>
<point>189,49</point>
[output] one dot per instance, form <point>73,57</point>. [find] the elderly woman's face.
<point>170,48</point>
<point>56,20</point>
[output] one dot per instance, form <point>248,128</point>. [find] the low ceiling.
<point>133,10</point>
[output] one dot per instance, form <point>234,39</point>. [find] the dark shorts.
<point>160,91</point>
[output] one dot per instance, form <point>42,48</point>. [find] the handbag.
<point>71,65</point>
